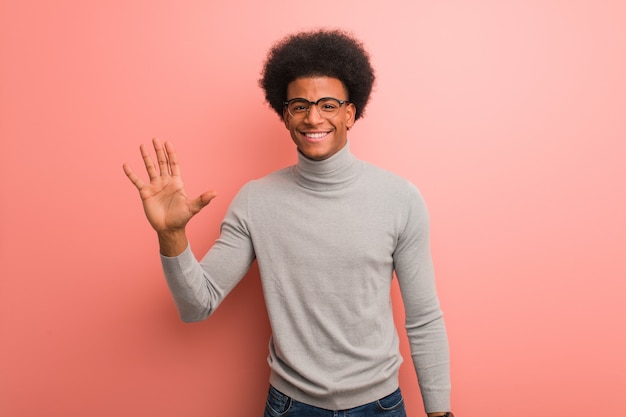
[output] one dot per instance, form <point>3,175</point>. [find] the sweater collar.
<point>333,173</point>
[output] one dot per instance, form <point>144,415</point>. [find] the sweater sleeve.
<point>198,288</point>
<point>424,320</point>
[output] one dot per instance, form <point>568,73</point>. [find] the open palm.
<point>165,202</point>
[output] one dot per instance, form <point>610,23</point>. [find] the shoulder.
<point>397,192</point>
<point>271,180</point>
<point>389,182</point>
<point>268,185</point>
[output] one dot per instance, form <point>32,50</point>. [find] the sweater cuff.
<point>173,265</point>
<point>436,401</point>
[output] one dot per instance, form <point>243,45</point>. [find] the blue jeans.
<point>280,405</point>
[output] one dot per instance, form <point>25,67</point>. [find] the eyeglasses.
<point>327,107</point>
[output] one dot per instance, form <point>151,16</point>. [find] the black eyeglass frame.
<point>311,103</point>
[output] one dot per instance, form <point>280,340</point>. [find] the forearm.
<point>199,287</point>
<point>189,286</point>
<point>430,354</point>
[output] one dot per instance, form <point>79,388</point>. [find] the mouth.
<point>314,136</point>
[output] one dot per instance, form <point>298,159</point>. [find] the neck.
<point>328,174</point>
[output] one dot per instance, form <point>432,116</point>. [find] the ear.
<point>350,115</point>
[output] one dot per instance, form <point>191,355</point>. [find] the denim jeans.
<point>280,405</point>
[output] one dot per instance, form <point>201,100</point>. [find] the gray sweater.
<point>327,236</point>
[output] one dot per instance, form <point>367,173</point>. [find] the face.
<point>316,137</point>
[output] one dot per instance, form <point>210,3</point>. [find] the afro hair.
<point>320,53</point>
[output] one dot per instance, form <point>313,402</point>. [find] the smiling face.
<point>316,137</point>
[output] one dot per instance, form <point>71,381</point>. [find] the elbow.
<point>433,320</point>
<point>192,314</point>
<point>195,305</point>
<point>190,319</point>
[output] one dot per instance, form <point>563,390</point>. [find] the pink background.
<point>509,116</point>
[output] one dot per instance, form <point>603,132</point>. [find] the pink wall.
<point>508,115</point>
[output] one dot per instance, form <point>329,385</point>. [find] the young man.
<point>328,234</point>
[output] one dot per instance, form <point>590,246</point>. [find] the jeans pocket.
<point>391,402</point>
<point>278,404</point>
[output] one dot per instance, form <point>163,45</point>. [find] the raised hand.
<point>165,202</point>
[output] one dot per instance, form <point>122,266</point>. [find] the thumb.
<point>202,200</point>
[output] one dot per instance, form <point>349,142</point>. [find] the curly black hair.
<point>325,53</point>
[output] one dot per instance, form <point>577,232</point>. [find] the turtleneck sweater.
<point>328,236</point>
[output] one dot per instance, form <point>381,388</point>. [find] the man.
<point>328,234</point>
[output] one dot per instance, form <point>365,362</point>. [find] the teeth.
<point>315,135</point>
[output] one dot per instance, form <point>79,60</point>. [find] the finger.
<point>164,168</point>
<point>147,161</point>
<point>132,177</point>
<point>172,158</point>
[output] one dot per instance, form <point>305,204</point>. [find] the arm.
<point>168,211</point>
<point>197,287</point>
<point>424,320</point>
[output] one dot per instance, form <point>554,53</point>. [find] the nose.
<point>313,116</point>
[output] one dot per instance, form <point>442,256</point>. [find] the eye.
<point>329,105</point>
<point>298,106</point>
